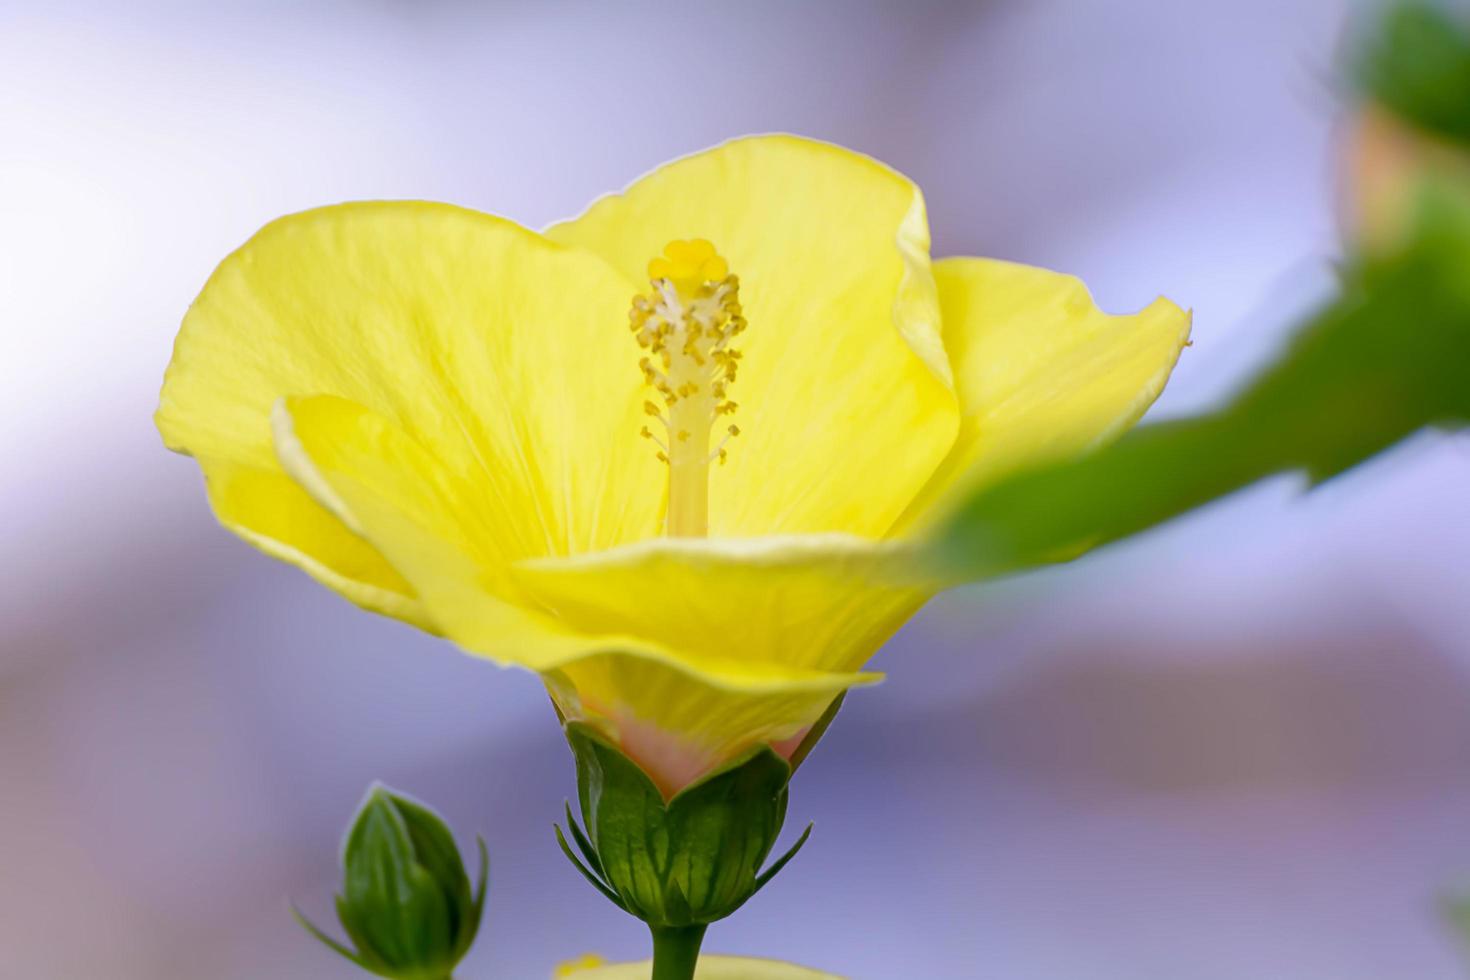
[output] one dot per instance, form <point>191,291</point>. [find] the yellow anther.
<point>688,264</point>
<point>686,322</point>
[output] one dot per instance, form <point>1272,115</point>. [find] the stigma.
<point>685,324</point>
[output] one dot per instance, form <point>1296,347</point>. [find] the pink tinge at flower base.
<point>672,761</point>
<point>442,416</point>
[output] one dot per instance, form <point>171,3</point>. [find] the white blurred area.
<point>1233,749</point>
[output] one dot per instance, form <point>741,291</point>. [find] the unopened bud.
<point>406,901</point>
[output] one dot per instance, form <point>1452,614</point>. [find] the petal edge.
<point>1042,373</point>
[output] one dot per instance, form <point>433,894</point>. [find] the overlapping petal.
<point>271,511</point>
<point>819,602</point>
<point>822,604</point>
<point>843,349</point>
<point>503,354</point>
<point>679,709</point>
<point>1041,371</point>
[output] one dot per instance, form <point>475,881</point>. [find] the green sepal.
<point>321,936</point>
<point>783,860</point>
<point>814,734</point>
<point>406,901</point>
<point>583,844</point>
<point>592,878</point>
<point>688,861</point>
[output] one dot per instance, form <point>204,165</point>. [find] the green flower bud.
<point>1414,59</point>
<point>406,901</point>
<point>685,862</point>
<point>1409,143</point>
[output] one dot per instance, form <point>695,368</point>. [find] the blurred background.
<point>1238,747</point>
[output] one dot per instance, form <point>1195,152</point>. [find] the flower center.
<point>686,322</point>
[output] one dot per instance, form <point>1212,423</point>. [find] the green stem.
<point>676,951</point>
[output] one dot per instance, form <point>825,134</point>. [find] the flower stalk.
<point>676,951</point>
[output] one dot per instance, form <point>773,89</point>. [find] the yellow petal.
<point>709,968</point>
<point>1041,371</point>
<point>500,353</point>
<point>679,712</point>
<point>266,508</point>
<point>571,968</point>
<point>845,403</point>
<point>680,719</point>
<point>817,602</point>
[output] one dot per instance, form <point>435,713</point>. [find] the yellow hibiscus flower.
<point>696,529</point>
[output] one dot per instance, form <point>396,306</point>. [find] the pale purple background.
<point>1236,748</point>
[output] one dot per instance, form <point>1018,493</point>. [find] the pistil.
<point>685,323</point>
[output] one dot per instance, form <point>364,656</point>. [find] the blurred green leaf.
<point>1417,62</point>
<point>1457,912</point>
<point>1389,358</point>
